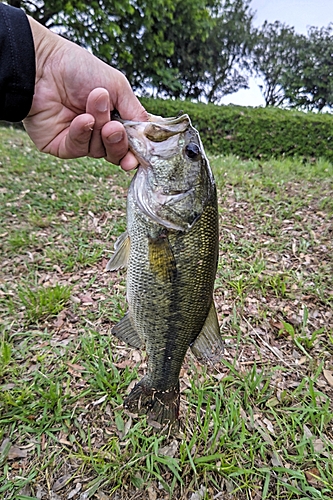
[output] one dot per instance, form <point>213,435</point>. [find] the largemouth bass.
<point>170,250</point>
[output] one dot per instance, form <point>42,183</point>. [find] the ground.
<point>256,425</point>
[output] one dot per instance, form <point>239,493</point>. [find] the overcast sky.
<point>297,13</point>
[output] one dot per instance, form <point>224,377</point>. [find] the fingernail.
<point>89,127</point>
<point>102,103</point>
<point>116,137</point>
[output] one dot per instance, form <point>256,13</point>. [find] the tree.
<point>193,49</point>
<point>210,58</point>
<point>230,44</point>
<point>189,49</point>
<point>275,58</point>
<point>130,34</point>
<point>312,87</point>
<point>93,24</point>
<point>143,45</point>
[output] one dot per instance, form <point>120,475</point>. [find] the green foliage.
<point>197,49</point>
<point>91,24</point>
<point>228,48</point>
<point>44,302</point>
<point>210,43</point>
<point>182,48</point>
<point>313,81</point>
<point>275,58</point>
<point>143,45</point>
<point>295,69</point>
<point>254,132</point>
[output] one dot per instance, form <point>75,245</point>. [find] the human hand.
<point>75,93</point>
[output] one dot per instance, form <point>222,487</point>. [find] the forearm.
<point>17,64</point>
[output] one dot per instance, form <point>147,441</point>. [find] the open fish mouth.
<point>149,138</point>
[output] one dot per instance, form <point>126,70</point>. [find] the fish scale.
<point>171,251</point>
<point>183,303</point>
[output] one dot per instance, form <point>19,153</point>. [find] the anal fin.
<point>208,346</point>
<point>124,331</point>
<point>120,257</point>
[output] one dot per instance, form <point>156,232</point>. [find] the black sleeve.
<point>17,64</point>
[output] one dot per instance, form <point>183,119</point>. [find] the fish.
<point>170,250</point>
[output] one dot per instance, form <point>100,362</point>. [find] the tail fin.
<point>162,407</point>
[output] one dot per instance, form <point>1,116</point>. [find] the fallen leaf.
<point>60,319</point>
<point>318,445</point>
<point>302,360</point>
<point>75,491</point>
<point>61,482</point>
<point>16,452</point>
<point>276,324</point>
<point>136,356</point>
<point>40,493</point>
<point>86,299</point>
<point>329,377</point>
<point>100,400</point>
<point>151,493</point>
<point>100,495</point>
<point>169,450</point>
<point>75,369</point>
<point>276,460</point>
<point>25,491</point>
<point>65,441</point>
<point>124,364</point>
<point>269,425</point>
<point>200,494</point>
<point>85,495</point>
<point>313,476</point>
<point>307,431</point>
<point>127,427</point>
<point>4,450</point>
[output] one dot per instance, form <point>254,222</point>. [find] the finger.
<point>115,141</point>
<point>130,108</point>
<point>98,105</point>
<point>124,100</point>
<point>74,141</point>
<point>129,162</point>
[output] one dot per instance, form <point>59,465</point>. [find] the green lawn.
<point>259,425</point>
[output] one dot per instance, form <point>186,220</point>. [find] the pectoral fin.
<point>120,257</point>
<point>124,331</point>
<point>208,346</point>
<point>161,259</point>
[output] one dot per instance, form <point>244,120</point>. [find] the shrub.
<point>254,132</point>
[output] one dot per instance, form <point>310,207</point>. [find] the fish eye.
<point>192,151</point>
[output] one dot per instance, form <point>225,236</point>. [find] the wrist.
<point>45,43</point>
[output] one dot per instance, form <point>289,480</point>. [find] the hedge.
<point>254,132</point>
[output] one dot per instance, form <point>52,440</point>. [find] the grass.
<point>43,302</point>
<point>258,425</point>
